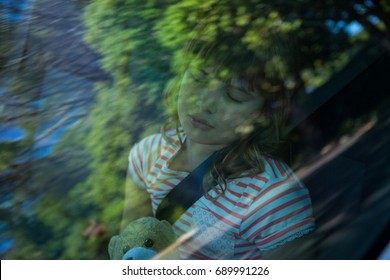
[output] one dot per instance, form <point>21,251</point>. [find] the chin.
<point>206,137</point>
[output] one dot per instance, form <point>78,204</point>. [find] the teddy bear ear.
<point>114,248</point>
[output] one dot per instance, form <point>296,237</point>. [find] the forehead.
<point>241,80</point>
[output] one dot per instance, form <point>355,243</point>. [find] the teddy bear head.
<point>142,239</point>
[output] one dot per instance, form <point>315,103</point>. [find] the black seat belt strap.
<point>185,194</point>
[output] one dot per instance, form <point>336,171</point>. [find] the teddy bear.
<point>143,239</point>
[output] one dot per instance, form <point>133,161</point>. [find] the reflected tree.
<point>67,203</point>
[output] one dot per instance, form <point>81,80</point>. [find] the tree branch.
<point>57,125</point>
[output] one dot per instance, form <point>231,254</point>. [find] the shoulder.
<point>146,151</point>
<point>148,142</point>
<point>281,209</point>
<point>141,157</point>
<point>145,154</point>
<point>275,185</point>
<point>149,145</point>
<point>275,171</point>
<point>278,174</point>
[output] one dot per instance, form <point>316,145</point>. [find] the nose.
<point>209,99</point>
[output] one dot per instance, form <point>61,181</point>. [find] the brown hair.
<point>244,157</point>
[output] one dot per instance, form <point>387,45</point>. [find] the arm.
<point>137,203</point>
<point>137,199</point>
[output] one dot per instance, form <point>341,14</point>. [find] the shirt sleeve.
<point>281,212</point>
<point>141,157</point>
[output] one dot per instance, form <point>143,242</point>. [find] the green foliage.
<point>289,38</point>
<point>81,185</point>
<point>122,32</point>
<point>109,130</point>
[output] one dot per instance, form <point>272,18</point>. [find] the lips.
<point>200,123</point>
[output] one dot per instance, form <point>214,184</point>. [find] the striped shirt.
<point>255,213</point>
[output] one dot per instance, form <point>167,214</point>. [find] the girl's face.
<point>213,112</point>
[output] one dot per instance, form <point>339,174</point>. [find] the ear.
<point>115,248</point>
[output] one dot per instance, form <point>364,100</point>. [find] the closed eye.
<point>231,97</point>
<point>237,95</point>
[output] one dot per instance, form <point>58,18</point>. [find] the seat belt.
<point>185,194</point>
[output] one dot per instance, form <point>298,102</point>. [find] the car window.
<point>81,82</point>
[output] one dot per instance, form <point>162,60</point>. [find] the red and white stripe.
<point>255,213</point>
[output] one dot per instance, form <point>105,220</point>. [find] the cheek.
<point>234,118</point>
<point>187,96</point>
